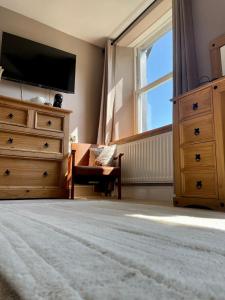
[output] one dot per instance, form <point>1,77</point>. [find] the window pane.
<point>156,61</point>
<point>155,109</point>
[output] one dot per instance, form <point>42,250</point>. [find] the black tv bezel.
<point>36,84</point>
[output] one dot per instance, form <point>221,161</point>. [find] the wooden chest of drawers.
<point>33,150</point>
<point>199,147</point>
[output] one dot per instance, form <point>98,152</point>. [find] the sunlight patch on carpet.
<point>184,220</point>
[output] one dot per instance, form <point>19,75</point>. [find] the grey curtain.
<point>106,119</point>
<point>185,62</point>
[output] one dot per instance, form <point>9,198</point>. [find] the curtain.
<point>185,62</point>
<point>106,120</point>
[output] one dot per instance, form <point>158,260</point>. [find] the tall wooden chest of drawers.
<point>199,147</point>
<point>33,150</point>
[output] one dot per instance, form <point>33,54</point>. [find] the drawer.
<point>19,141</point>
<point>201,184</point>
<point>48,122</point>
<point>196,103</point>
<point>197,130</point>
<point>28,172</point>
<point>13,116</point>
<point>198,156</point>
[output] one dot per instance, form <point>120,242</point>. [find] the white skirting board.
<point>149,193</point>
<point>156,194</point>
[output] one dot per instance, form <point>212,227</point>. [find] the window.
<point>154,86</point>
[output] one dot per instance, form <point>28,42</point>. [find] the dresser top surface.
<point>31,104</point>
<point>201,87</point>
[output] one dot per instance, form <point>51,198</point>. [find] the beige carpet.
<point>108,250</point>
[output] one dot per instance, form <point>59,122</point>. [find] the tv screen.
<point>32,63</point>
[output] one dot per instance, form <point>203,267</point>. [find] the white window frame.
<point>155,33</point>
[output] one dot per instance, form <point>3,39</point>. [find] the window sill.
<point>144,135</point>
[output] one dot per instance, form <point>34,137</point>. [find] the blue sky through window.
<point>159,64</point>
<point>159,108</point>
<point>160,58</point>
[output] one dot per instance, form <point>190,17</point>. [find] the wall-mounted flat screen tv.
<point>36,64</point>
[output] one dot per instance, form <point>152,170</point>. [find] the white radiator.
<point>149,160</point>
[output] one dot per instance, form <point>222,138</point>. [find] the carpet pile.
<point>102,250</point>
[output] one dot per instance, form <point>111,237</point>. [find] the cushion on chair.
<point>94,152</point>
<point>105,158</point>
<point>96,171</point>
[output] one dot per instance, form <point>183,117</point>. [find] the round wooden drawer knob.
<point>49,123</point>
<point>46,145</point>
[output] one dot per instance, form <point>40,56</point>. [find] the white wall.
<point>85,103</point>
<point>209,23</point>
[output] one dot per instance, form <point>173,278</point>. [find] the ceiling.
<point>89,20</point>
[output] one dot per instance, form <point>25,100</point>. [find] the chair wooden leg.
<point>72,185</point>
<point>72,191</point>
<point>119,187</point>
